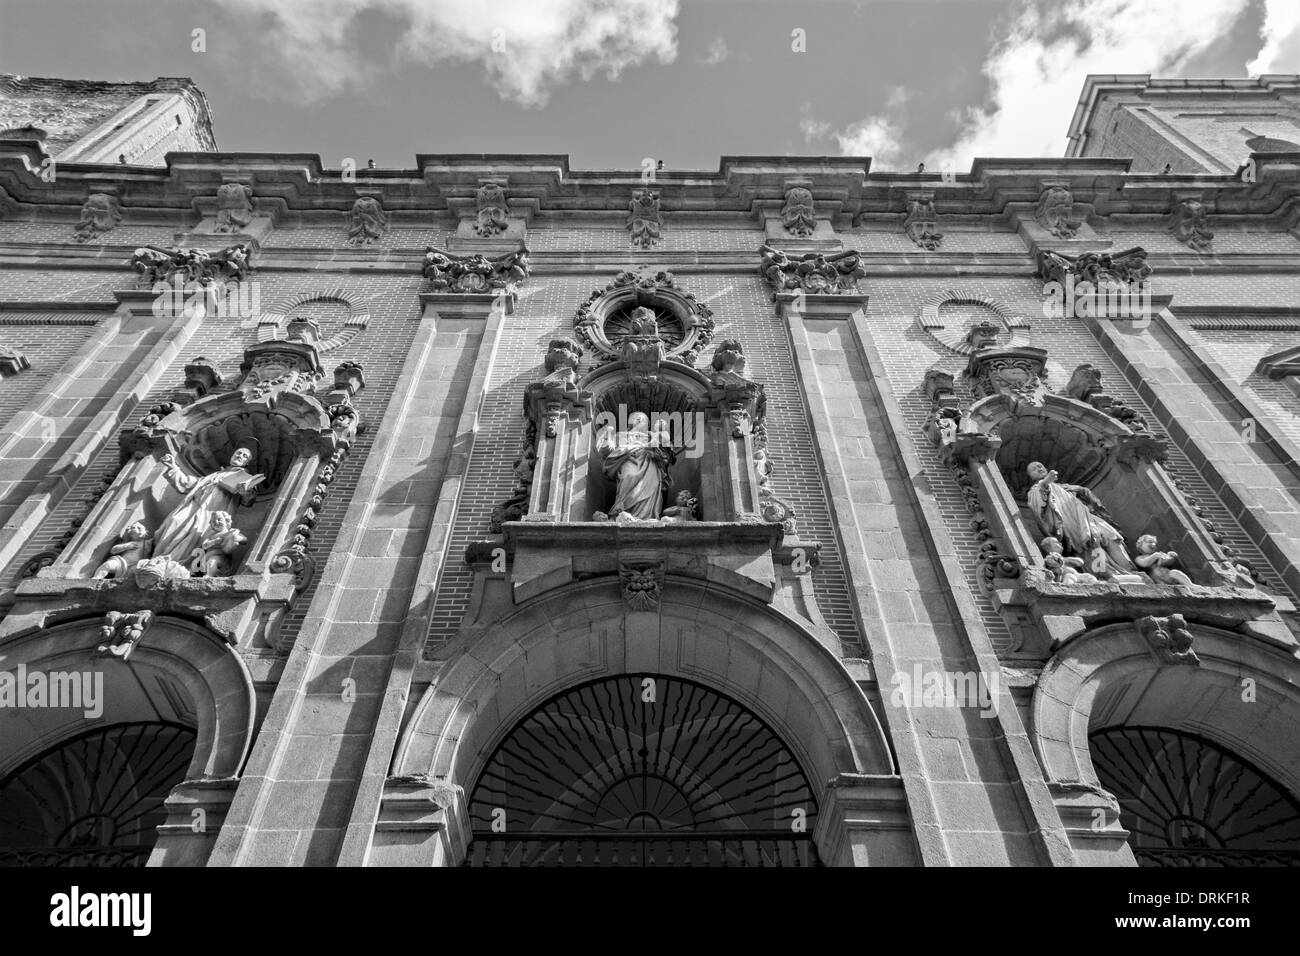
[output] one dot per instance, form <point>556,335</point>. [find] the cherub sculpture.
<point>1160,564</point>
<point>684,509</point>
<point>218,544</point>
<point>134,545</point>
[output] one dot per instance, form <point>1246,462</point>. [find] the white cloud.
<point>1281,36</point>
<point>876,136</point>
<point>717,52</point>
<point>1036,73</point>
<point>526,47</point>
<point>1037,70</point>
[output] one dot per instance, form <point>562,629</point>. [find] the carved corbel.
<point>122,633</point>
<point>642,584</point>
<point>1169,639</point>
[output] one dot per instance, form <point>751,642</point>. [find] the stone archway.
<point>181,676</point>
<point>766,662</point>
<point>1242,698</point>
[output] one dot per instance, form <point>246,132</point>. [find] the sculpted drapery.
<point>1062,512</point>
<point>637,461</point>
<point>224,490</point>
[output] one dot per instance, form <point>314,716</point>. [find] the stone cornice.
<point>296,188</point>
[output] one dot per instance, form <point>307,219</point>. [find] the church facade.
<point>493,512</point>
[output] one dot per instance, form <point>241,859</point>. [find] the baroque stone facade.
<point>876,519</point>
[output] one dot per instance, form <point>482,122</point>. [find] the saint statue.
<point>181,531</point>
<point>637,460</point>
<point>1063,512</point>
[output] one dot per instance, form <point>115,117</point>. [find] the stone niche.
<point>212,510</point>
<point>645,448</point>
<point>1108,493</point>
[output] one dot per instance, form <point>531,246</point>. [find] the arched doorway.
<point>95,799</point>
<point>1186,801</point>
<point>642,770</point>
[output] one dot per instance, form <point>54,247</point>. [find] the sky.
<point>611,82</point>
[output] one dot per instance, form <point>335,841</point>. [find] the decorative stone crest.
<point>1169,638</point>
<point>643,585</point>
<point>234,207</point>
<point>367,221</point>
<point>122,633</point>
<point>100,213</point>
<point>475,273</point>
<point>1055,210</point>
<point>798,215</point>
<point>1188,225</point>
<point>1013,372</point>
<point>155,265</point>
<point>493,208</point>
<point>921,223</point>
<point>814,273</point>
<point>644,219</point>
<point>646,308</point>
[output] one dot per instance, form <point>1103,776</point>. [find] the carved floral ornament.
<point>639,304</point>
<point>492,208</point>
<point>814,273</point>
<point>475,273</point>
<point>155,265</point>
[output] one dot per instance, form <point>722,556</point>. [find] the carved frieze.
<point>814,273</point>
<point>475,273</point>
<point>100,214</point>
